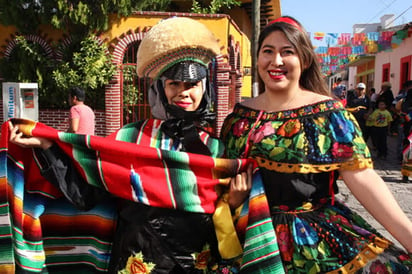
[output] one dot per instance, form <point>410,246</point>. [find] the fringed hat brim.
<point>174,40</point>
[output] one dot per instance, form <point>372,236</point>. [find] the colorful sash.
<point>30,208</point>
<point>260,250</point>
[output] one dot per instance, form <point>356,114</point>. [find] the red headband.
<point>287,20</point>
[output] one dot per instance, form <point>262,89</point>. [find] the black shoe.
<point>405,179</point>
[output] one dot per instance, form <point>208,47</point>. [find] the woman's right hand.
<point>240,188</point>
<point>19,139</point>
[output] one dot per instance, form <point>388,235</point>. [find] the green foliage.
<point>126,7</point>
<point>90,68</point>
<point>23,14</point>
<point>85,64</point>
<point>81,17</point>
<point>214,7</point>
<point>131,95</point>
<point>29,63</point>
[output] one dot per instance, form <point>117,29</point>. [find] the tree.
<point>89,68</point>
<point>83,16</point>
<point>215,6</point>
<point>84,62</point>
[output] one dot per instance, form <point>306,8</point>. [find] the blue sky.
<point>340,16</point>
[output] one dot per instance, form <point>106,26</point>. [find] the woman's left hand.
<point>17,137</point>
<point>240,187</point>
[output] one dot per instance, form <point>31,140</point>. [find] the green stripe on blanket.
<point>153,176</point>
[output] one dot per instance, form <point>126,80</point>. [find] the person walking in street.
<point>380,120</point>
<point>81,117</point>
<point>360,105</point>
<point>339,89</point>
<point>386,94</point>
<point>303,139</point>
<point>373,96</point>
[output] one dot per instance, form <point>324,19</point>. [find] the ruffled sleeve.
<point>315,138</point>
<point>349,149</point>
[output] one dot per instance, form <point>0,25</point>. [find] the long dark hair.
<point>311,77</point>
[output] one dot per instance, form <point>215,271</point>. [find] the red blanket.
<point>31,211</point>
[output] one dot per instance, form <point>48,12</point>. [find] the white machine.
<point>20,100</point>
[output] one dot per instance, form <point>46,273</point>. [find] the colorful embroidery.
<point>137,265</point>
<point>202,258</point>
<point>323,136</point>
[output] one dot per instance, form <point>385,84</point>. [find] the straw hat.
<point>174,40</point>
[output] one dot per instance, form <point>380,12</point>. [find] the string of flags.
<point>345,47</point>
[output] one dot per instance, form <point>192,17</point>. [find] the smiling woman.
<point>303,140</point>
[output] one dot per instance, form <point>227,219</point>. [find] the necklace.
<point>268,102</point>
<point>292,99</point>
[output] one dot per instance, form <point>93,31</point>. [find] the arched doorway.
<point>134,90</point>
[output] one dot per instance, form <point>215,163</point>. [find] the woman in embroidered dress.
<point>303,140</point>
<point>175,54</point>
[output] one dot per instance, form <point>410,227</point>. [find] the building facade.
<point>233,78</point>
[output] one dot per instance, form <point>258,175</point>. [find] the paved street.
<point>389,170</point>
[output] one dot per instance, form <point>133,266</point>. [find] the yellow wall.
<point>219,26</point>
<point>49,33</point>
<point>52,33</point>
<point>5,32</point>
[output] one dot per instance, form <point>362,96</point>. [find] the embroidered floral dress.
<point>299,153</point>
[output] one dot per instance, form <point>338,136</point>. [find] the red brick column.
<point>223,88</point>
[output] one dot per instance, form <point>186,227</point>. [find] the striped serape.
<point>260,250</point>
<point>40,231</point>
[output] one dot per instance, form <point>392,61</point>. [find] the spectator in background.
<point>403,92</point>
<point>81,117</point>
<point>373,96</point>
<point>386,95</point>
<point>339,89</point>
<point>359,105</point>
<point>380,119</point>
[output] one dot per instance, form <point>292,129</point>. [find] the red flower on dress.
<point>378,267</point>
<point>405,257</point>
<point>137,267</point>
<point>289,128</point>
<point>202,259</point>
<point>265,130</point>
<point>340,220</point>
<point>341,151</point>
<point>240,127</point>
<point>285,242</point>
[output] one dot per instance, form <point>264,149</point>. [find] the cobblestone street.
<point>389,170</point>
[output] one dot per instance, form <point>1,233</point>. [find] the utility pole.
<point>255,37</point>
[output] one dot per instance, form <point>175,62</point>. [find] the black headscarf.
<point>179,124</point>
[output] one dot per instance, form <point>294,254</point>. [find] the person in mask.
<point>181,98</point>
